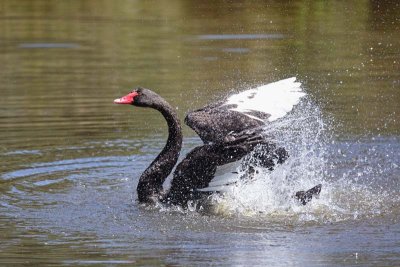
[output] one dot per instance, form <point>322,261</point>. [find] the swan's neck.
<point>151,181</point>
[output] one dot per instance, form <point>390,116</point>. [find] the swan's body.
<point>230,131</point>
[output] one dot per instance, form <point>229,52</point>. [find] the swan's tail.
<point>274,100</point>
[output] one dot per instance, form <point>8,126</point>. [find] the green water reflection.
<point>63,63</point>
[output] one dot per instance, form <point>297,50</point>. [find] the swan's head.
<point>140,97</point>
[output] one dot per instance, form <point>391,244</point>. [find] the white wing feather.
<point>225,176</point>
<point>275,99</point>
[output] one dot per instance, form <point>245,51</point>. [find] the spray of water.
<point>305,135</point>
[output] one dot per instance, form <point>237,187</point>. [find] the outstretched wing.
<point>275,99</point>
<point>246,110</point>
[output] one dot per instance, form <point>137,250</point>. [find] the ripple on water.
<point>270,36</point>
<point>23,152</point>
<point>65,166</point>
<point>48,45</point>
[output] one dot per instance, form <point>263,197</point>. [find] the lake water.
<point>70,158</point>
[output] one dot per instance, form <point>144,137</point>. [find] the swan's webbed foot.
<point>305,196</point>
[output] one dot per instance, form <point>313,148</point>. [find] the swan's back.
<point>246,110</point>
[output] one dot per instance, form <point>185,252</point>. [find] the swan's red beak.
<point>128,99</point>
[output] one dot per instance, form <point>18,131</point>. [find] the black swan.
<point>230,130</point>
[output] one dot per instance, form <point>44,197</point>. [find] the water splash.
<point>305,134</point>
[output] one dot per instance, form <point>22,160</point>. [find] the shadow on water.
<point>71,159</point>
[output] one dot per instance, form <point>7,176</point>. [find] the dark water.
<point>70,159</point>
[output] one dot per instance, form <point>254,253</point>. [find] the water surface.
<point>71,159</point>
